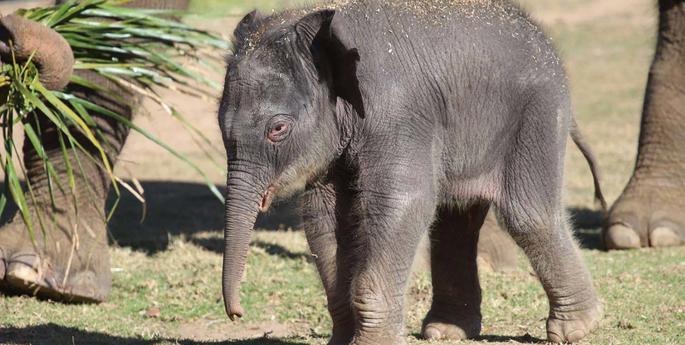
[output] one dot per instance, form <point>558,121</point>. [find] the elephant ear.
<point>333,54</point>
<point>246,27</point>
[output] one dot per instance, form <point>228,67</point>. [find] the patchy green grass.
<point>219,8</point>
<point>172,262</point>
<point>642,292</point>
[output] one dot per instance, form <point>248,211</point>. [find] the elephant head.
<point>290,96</point>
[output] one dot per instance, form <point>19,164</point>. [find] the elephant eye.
<point>279,128</point>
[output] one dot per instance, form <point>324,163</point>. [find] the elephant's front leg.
<point>396,206</point>
<point>326,225</point>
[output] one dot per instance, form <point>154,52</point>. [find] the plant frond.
<point>139,50</point>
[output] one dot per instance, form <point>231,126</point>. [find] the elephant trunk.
<point>49,51</point>
<point>242,201</point>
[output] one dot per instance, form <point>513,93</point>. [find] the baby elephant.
<point>397,117</point>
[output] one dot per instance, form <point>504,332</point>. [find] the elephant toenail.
<point>432,333</point>
<point>663,237</point>
<point>2,264</point>
<point>575,336</point>
<point>554,338</point>
<point>20,272</point>
<point>620,236</point>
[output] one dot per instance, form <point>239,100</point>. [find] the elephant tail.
<point>584,148</point>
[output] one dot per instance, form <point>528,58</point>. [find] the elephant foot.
<point>647,214</point>
<point>452,330</point>
<point>569,327</point>
<point>460,326</point>
<point>497,251</point>
<point>56,268</point>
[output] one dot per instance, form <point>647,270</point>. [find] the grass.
<point>220,8</point>
<point>642,291</point>
<point>173,261</point>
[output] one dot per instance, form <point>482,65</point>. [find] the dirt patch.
<point>218,330</point>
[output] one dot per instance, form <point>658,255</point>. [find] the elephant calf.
<point>398,117</point>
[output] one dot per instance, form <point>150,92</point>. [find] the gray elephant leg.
<point>574,307</point>
<point>326,217</point>
<point>649,212</point>
<point>455,311</point>
<point>396,207</point>
<point>532,211</point>
<point>70,262</point>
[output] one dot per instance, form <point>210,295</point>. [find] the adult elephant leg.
<point>69,259</point>
<point>650,210</point>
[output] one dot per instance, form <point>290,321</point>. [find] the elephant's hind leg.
<point>455,311</point>
<point>532,211</point>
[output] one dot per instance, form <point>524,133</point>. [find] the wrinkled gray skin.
<point>71,262</point>
<point>397,118</point>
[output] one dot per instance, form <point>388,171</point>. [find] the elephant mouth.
<point>267,198</point>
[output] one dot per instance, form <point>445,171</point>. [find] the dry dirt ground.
<point>171,260</point>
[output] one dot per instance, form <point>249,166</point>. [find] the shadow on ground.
<point>524,339</point>
<point>186,208</point>
<point>217,245</point>
<point>50,334</point>
<point>181,208</point>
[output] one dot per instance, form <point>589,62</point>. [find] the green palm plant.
<point>137,49</point>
